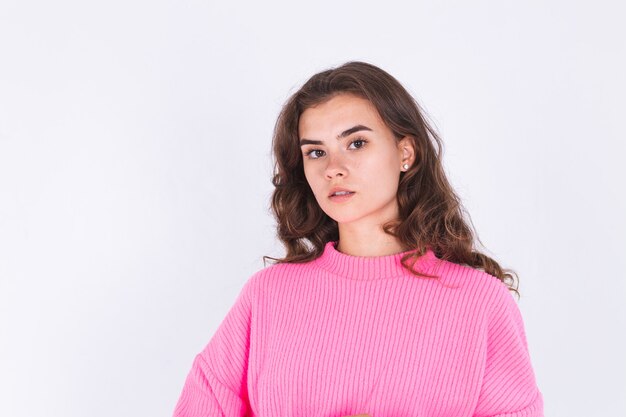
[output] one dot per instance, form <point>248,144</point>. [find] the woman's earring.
<point>405,166</point>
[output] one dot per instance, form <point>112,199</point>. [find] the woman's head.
<point>300,216</point>
<point>423,210</point>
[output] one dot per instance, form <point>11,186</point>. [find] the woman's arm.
<point>216,384</point>
<point>509,388</point>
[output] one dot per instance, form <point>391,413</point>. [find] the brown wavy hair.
<point>430,212</point>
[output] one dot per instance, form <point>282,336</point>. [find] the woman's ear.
<point>406,147</point>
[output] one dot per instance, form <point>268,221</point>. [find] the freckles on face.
<point>345,143</point>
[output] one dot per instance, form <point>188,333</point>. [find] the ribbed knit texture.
<point>344,335</point>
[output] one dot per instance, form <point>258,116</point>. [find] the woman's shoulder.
<point>471,280</point>
<point>279,272</point>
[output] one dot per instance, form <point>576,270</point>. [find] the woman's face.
<point>345,144</point>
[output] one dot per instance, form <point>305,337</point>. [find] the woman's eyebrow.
<point>350,131</point>
<point>310,142</point>
<point>343,134</point>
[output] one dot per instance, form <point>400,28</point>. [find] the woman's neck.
<point>371,243</point>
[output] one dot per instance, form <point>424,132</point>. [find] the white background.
<point>135,177</point>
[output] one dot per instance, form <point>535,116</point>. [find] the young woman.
<point>382,305</point>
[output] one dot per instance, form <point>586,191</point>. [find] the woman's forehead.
<point>337,114</point>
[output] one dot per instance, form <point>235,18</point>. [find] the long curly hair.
<point>430,212</point>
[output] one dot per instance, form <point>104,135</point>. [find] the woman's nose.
<point>336,167</point>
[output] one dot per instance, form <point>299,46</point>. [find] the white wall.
<point>135,177</point>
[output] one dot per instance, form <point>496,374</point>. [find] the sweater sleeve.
<point>216,385</point>
<point>509,387</point>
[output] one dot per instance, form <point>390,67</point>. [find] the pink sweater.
<point>344,335</point>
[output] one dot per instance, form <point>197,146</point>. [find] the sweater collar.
<point>370,267</point>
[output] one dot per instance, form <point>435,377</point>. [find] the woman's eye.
<point>314,153</point>
<point>359,143</point>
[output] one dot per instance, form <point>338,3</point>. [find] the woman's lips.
<point>341,198</point>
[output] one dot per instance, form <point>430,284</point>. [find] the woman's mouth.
<point>341,196</point>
